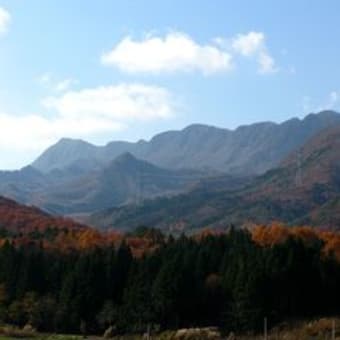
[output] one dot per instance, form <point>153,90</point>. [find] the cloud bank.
<point>86,113</point>
<point>174,52</point>
<point>178,52</point>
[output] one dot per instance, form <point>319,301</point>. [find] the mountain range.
<point>248,150</point>
<point>199,176</point>
<point>303,190</point>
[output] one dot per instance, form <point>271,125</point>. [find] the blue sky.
<point>107,70</point>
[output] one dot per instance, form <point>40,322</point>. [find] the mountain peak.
<point>65,141</point>
<point>325,114</point>
<point>125,158</point>
<point>198,126</point>
<point>62,154</point>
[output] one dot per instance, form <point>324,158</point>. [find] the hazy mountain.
<point>248,150</point>
<point>131,179</point>
<point>305,189</point>
<point>76,189</point>
<point>22,184</point>
<point>65,153</point>
<point>125,180</point>
<point>68,153</point>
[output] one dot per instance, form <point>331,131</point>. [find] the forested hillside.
<point>229,280</point>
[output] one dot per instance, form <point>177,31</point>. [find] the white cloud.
<point>84,114</point>
<point>177,51</point>
<point>49,81</point>
<point>174,52</point>
<point>248,44</point>
<point>266,63</point>
<point>253,45</point>
<point>123,102</point>
<point>5,19</point>
<point>35,132</point>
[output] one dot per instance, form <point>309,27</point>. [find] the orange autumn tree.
<point>270,235</point>
<point>278,233</point>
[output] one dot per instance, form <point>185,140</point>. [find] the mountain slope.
<point>304,189</point>
<point>248,150</point>
<point>76,190</point>
<point>316,164</point>
<point>125,180</point>
<point>65,153</point>
<point>22,185</point>
<point>17,218</point>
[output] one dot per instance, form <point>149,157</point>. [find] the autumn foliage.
<point>278,233</point>
<point>24,219</point>
<point>25,225</point>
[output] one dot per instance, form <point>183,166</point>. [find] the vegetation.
<point>230,280</point>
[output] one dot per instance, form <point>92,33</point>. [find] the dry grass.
<point>9,332</point>
<point>320,329</point>
<point>15,332</point>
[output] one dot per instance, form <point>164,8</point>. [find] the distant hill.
<point>77,190</point>
<point>248,150</point>
<point>304,189</point>
<point>124,180</point>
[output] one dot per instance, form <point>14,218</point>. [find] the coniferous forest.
<point>231,280</point>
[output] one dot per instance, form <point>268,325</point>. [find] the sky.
<point>127,70</point>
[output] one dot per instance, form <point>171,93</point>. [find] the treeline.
<point>226,280</point>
